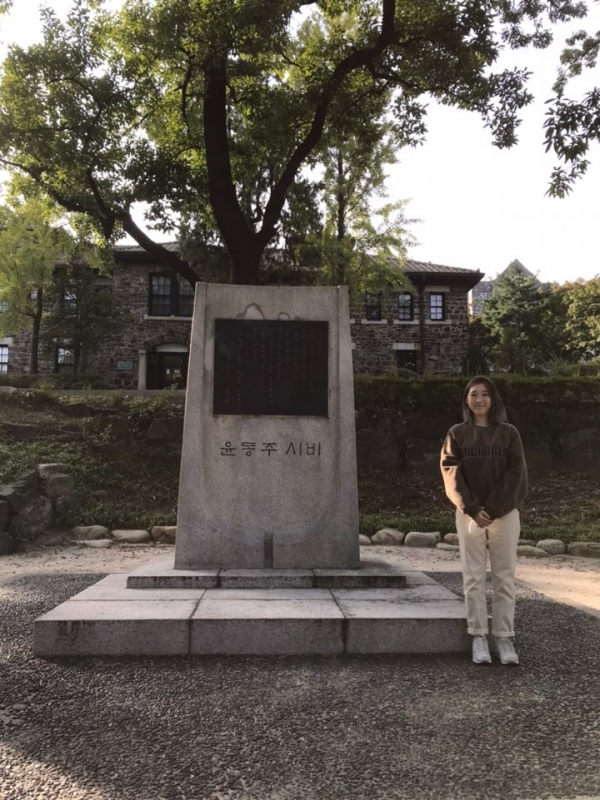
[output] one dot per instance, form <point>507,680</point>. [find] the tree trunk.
<point>35,332</point>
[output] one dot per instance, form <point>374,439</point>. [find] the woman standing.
<point>485,476</point>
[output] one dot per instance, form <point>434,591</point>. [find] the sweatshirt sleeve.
<point>457,490</point>
<point>512,489</point>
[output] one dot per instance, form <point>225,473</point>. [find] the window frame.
<point>4,349</point>
<point>373,309</point>
<point>177,300</point>
<point>441,307</point>
<point>402,307</point>
<point>67,366</point>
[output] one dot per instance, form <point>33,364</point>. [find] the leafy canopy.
<point>216,110</point>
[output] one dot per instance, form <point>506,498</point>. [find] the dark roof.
<point>425,271</point>
<point>428,271</point>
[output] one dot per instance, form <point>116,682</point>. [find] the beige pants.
<point>503,537</point>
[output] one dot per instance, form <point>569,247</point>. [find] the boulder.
<point>45,470</point>
<point>529,551</point>
<point>164,430</point>
<point>449,547</point>
<point>527,542</point>
<point>451,538</point>
<point>69,503</point>
<point>21,492</point>
<point>58,484</point>
<point>388,536</point>
<point>164,534</point>
<point>420,539</point>
<point>22,430</point>
<point>32,520</point>
<point>5,543</point>
<point>553,547</point>
<point>363,540</point>
<point>131,536</point>
<point>91,532</point>
<point>584,549</point>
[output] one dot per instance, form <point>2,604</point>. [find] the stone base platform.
<point>159,611</point>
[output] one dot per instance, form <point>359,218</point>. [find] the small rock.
<point>89,532</point>
<point>164,534</point>
<point>526,543</point>
<point>388,536</point>
<point>530,551</point>
<point>451,538</point>
<point>422,539</point>
<point>51,538</point>
<point>363,540</point>
<point>98,544</point>
<point>446,546</point>
<point>585,549</point>
<point>553,547</point>
<point>131,537</point>
<point>58,484</point>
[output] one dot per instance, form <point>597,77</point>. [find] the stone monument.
<point>268,470</point>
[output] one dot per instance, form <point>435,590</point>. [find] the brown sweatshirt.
<point>484,467</point>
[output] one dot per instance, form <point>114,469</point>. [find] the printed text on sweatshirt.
<point>484,467</point>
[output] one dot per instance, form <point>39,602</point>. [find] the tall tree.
<point>582,325</point>
<point>30,248</point>
<point>519,317</point>
<point>182,103</point>
<point>82,314</point>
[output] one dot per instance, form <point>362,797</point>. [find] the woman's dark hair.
<point>497,411</point>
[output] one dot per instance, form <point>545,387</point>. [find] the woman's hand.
<point>482,519</point>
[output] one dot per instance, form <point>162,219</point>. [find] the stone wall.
<point>28,504</point>
<point>440,347</point>
<point>552,440</point>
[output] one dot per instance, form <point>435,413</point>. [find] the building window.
<point>405,306</point>
<point>170,296</point>
<point>406,359</point>
<point>437,307</point>
<point>373,307</point>
<point>64,359</point>
<point>3,359</point>
<point>69,298</point>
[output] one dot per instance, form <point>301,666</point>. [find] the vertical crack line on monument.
<point>268,555</point>
<point>344,624</point>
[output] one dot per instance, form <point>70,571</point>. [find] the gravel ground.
<point>300,729</point>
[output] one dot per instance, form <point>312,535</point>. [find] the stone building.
<point>424,331</point>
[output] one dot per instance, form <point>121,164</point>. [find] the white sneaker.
<point>506,651</point>
<point>481,651</point>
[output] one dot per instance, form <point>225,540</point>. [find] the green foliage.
<point>572,125</point>
<point>521,317</point>
<point>216,110</point>
<point>582,318</point>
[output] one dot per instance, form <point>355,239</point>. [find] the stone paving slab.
<point>106,628</point>
<point>266,578</point>
<point>110,618</point>
<point>114,588</point>
<point>439,633</point>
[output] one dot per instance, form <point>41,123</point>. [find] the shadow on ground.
<point>296,728</point>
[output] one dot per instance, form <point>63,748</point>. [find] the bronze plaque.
<point>271,367</point>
